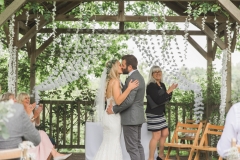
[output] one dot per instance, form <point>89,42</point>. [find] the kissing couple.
<point>124,109</point>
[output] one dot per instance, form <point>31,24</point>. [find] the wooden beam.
<point>33,31</point>
<point>121,16</point>
<point>197,47</point>
<point>116,31</point>
<point>214,51</point>
<point>33,65</point>
<point>23,27</point>
<point>208,109</point>
<point>42,23</point>
<point>6,31</point>
<point>221,27</point>
<point>210,34</point>
<point>231,9</point>
<point>229,76</point>
<point>106,18</point>
<point>45,45</point>
<point>209,49</point>
<point>10,10</point>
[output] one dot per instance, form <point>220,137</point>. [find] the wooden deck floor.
<point>81,156</point>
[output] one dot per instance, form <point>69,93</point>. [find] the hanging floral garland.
<point>37,20</point>
<point>223,86</point>
<point>78,65</point>
<point>27,17</point>
<point>203,22</point>
<point>187,22</point>
<point>12,58</point>
<point>166,60</point>
<point>54,27</point>
<point>237,30</point>
<point>229,38</point>
<point>215,29</point>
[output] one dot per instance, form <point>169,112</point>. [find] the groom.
<point>131,109</point>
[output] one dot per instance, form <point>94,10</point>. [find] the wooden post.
<point>229,76</point>
<point>32,65</point>
<point>209,77</point>
<point>121,16</point>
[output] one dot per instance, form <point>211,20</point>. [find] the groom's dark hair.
<point>130,60</point>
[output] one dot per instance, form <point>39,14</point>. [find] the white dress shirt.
<point>231,130</point>
<point>129,74</point>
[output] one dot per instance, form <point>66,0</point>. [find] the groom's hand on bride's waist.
<point>110,108</point>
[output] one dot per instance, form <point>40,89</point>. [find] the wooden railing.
<point>65,120</point>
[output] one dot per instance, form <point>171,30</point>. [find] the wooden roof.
<point>178,6</point>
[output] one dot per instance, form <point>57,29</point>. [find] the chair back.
<point>191,130</point>
<point>210,130</point>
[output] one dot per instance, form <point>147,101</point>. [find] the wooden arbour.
<point>29,32</point>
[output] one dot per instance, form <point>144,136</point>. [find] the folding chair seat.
<point>182,128</point>
<point>203,145</point>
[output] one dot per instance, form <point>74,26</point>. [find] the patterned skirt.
<point>156,122</point>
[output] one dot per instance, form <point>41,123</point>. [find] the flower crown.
<point>110,64</point>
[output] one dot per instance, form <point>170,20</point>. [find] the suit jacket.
<point>19,128</point>
<point>153,90</point>
<point>131,109</point>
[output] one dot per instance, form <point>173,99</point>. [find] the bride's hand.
<point>133,84</point>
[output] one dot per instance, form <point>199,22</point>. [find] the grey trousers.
<point>132,137</point>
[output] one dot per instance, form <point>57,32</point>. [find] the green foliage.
<point>202,8</point>
<point>235,83</point>
<point>1,2</point>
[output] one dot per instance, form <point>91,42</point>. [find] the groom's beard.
<point>125,71</point>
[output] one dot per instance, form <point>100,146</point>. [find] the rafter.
<point>107,18</point>
<point>10,10</point>
<point>234,40</point>
<point>210,34</point>
<point>231,8</point>
<point>45,45</point>
<point>116,31</point>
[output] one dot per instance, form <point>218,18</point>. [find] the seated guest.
<point>7,96</point>
<point>18,126</point>
<point>231,130</point>
<point>45,148</point>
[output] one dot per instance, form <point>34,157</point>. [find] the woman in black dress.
<point>157,96</point>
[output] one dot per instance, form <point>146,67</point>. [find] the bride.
<point>110,148</point>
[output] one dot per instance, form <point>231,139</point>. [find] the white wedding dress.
<point>110,148</point>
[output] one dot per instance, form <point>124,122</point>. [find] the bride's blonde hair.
<point>112,71</point>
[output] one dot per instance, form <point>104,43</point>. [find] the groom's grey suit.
<point>132,117</point>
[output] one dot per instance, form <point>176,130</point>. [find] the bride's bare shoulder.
<point>114,82</point>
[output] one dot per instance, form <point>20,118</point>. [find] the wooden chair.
<point>186,129</point>
<point>203,145</point>
<point>187,139</point>
<point>13,153</point>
